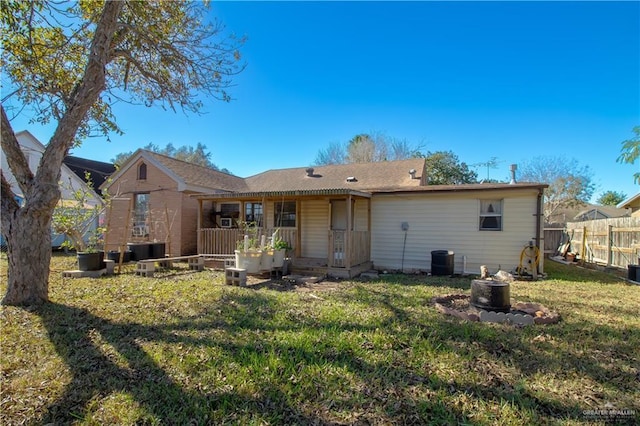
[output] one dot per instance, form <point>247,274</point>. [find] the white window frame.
<point>485,215</point>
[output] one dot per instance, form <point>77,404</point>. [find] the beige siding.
<point>361,215</point>
<point>450,222</point>
<point>314,227</point>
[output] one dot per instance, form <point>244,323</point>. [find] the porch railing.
<point>224,241</point>
<point>345,253</point>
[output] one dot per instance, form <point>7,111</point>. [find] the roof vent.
<point>513,169</point>
<point>412,172</point>
<point>352,179</point>
<point>309,171</point>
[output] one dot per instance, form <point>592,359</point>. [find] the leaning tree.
<point>67,63</point>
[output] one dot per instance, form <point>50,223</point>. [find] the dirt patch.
<point>257,282</point>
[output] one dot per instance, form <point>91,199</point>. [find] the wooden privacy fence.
<point>612,242</point>
<point>553,237</point>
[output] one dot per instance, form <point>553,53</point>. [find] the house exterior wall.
<point>361,215</point>
<point>189,226</point>
<point>450,221</point>
<point>314,228</point>
<point>166,206</point>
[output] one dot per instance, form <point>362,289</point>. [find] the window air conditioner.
<point>226,222</point>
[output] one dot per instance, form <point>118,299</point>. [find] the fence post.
<point>610,245</point>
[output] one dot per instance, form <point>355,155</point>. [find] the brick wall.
<point>167,211</point>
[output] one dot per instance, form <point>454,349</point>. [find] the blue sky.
<point>511,80</point>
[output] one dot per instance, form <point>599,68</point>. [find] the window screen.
<point>285,214</point>
<point>490,215</point>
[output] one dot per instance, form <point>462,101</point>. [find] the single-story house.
<point>344,219</point>
<point>151,201</point>
<point>632,203</point>
<point>595,212</point>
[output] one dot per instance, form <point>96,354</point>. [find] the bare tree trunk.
<point>28,228</point>
<point>29,254</point>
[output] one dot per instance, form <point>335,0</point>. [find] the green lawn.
<point>184,348</point>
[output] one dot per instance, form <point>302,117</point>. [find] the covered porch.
<point>328,230</point>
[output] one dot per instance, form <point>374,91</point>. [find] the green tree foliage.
<point>76,216</point>
<point>630,151</point>
<point>444,168</point>
<point>570,184</point>
<point>198,155</point>
<point>68,63</point>
<point>611,198</point>
<point>367,148</point>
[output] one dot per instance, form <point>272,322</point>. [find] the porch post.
<point>369,229</point>
<point>349,233</point>
<point>330,248</point>
<point>199,227</point>
<point>298,251</point>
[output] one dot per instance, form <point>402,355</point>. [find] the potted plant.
<point>76,218</point>
<point>280,248</point>
<point>249,250</point>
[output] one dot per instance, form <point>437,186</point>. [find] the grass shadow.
<point>129,369</point>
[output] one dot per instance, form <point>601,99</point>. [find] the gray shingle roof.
<point>195,175</point>
<point>367,177</point>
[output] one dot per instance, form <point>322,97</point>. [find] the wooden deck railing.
<point>224,241</point>
<point>360,247</point>
<point>344,253</point>
<point>348,253</point>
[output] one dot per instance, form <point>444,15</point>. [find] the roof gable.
<point>98,170</point>
<point>188,176</point>
<point>632,202</point>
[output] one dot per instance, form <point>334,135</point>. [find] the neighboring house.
<point>153,201</point>
<point>632,203</point>
<point>594,212</point>
<point>585,212</point>
<point>98,171</point>
<point>344,219</point>
<point>69,180</point>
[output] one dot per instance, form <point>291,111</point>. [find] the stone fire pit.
<point>520,313</point>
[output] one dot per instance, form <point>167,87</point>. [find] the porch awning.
<point>279,194</point>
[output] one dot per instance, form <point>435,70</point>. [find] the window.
<point>140,215</point>
<point>229,214</point>
<point>230,210</point>
<point>491,215</point>
<point>285,214</point>
<point>142,171</point>
<point>253,213</point>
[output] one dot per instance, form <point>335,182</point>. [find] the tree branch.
<point>83,96</point>
<point>15,157</point>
